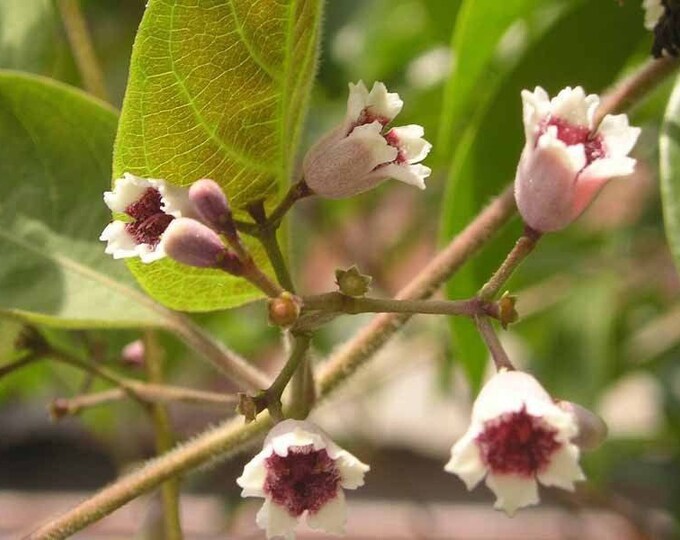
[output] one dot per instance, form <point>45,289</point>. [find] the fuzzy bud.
<point>284,310</point>
<point>189,242</point>
<point>592,430</point>
<point>212,206</point>
<point>352,282</point>
<point>133,354</point>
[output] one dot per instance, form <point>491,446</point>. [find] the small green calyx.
<point>351,282</point>
<point>507,314</point>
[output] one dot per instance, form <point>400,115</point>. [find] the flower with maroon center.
<point>518,437</point>
<point>567,159</point>
<point>301,472</point>
<point>362,152</point>
<point>148,207</point>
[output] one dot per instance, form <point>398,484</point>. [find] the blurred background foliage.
<point>599,302</point>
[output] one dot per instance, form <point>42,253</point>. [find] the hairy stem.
<point>271,246</point>
<point>18,364</point>
<point>81,45</point>
<point>165,440</point>
<point>500,357</point>
<point>338,302</point>
<point>523,247</point>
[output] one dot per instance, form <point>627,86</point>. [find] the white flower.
<point>567,159</point>
<point>301,471</point>
<point>517,437</point>
<point>361,152</point>
<point>654,10</point>
<point>150,205</point>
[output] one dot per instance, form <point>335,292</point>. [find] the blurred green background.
<point>599,302</point>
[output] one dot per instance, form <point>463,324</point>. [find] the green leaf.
<point>600,39</point>
<point>669,171</point>
<point>54,164</point>
<point>217,89</point>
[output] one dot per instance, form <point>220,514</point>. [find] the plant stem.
<point>299,190</point>
<point>500,357</point>
<point>338,302</point>
<point>81,45</point>
<point>271,246</point>
<point>165,440</point>
<point>18,364</point>
<point>523,247</point>
<point>273,394</point>
<point>228,362</point>
<point>303,391</point>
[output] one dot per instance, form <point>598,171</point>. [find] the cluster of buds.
<point>518,437</point>
<point>159,220</point>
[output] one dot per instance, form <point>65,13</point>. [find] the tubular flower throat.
<point>517,438</point>
<point>301,472</point>
<point>567,159</point>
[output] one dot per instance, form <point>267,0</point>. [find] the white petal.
<point>275,520</point>
<point>352,470</point>
<point>512,492</point>
<point>654,10</point>
<point>466,461</point>
<point>563,469</point>
<point>383,104</point>
<point>411,142</point>
<point>606,168</point>
<point>618,136</point>
<point>356,101</point>
<point>572,105</point>
<point>331,517</point>
<point>509,391</point>
<point>295,433</point>
<point>175,200</point>
<point>254,474</point>
<point>572,155</point>
<point>372,139</point>
<point>120,243</point>
<point>126,190</point>
<point>413,175</point>
<point>535,107</point>
<point>147,254</point>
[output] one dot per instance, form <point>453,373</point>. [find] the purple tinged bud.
<point>133,354</point>
<point>212,206</point>
<point>592,430</point>
<point>189,242</point>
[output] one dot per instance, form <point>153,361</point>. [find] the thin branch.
<point>81,45</point>
<point>18,364</point>
<point>500,357</point>
<point>165,440</point>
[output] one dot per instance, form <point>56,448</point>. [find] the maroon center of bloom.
<point>368,117</point>
<point>517,443</point>
<point>571,134</point>
<point>305,479</point>
<point>393,140</point>
<point>150,221</point>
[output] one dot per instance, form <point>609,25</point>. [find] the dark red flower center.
<point>517,443</point>
<point>305,479</point>
<point>150,221</point>
<point>393,140</point>
<point>571,134</point>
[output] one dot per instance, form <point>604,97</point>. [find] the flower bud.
<point>565,162</point>
<point>189,242</point>
<point>284,310</point>
<point>352,282</point>
<point>212,206</point>
<point>133,354</point>
<point>592,430</point>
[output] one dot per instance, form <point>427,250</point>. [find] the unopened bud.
<point>284,310</point>
<point>247,407</point>
<point>212,206</point>
<point>592,430</point>
<point>133,354</point>
<point>352,282</point>
<point>189,242</point>
<point>507,314</point>
<point>58,409</point>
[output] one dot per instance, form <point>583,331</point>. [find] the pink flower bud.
<point>212,206</point>
<point>133,353</point>
<point>361,153</point>
<point>592,430</point>
<point>189,242</point>
<point>564,164</point>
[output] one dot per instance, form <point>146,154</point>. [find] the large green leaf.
<point>217,89</point>
<point>578,49</point>
<point>669,155</point>
<point>55,162</point>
